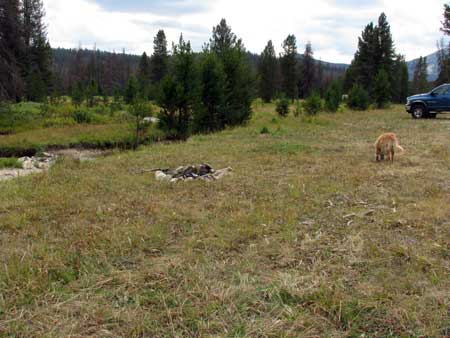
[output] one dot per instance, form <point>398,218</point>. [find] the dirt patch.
<point>81,154</point>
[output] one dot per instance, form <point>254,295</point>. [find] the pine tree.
<point>179,93</point>
<point>12,50</point>
<point>385,53</point>
<point>401,80</point>
<point>333,97</point>
<point>375,52</point>
<point>78,94</point>
<point>90,92</point>
<point>268,73</point>
<point>223,39</point>
<point>36,64</point>
<point>308,71</point>
<point>144,73</point>
<point>132,90</point>
<point>160,57</point>
<point>288,62</point>
<point>420,78</point>
<point>239,84</point>
<point>207,118</point>
<point>446,23</point>
<point>381,89</point>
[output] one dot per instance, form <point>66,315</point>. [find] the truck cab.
<point>429,104</point>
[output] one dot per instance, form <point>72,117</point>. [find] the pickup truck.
<point>429,104</point>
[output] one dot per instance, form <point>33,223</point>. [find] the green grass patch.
<point>10,163</point>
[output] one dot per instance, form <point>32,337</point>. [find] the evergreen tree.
<point>358,98</point>
<point>443,63</point>
<point>268,73</point>
<point>179,93</point>
<point>385,52</point>
<point>420,78</point>
<point>239,83</point>
<point>288,62</point>
<point>208,117</point>
<point>78,94</point>
<point>333,97</point>
<point>446,23</point>
<point>382,89</point>
<point>139,109</point>
<point>90,93</point>
<point>375,52</point>
<point>36,63</point>
<point>307,79</point>
<point>401,80</point>
<point>160,57</point>
<point>132,90</point>
<point>144,73</point>
<point>223,39</point>
<point>12,50</point>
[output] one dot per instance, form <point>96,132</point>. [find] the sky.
<point>332,26</point>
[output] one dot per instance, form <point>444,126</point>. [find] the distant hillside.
<point>433,67</point>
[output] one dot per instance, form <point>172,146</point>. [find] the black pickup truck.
<point>429,104</point>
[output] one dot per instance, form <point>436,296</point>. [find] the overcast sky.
<point>332,26</point>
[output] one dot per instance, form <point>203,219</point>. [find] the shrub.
<point>264,130</point>
<point>333,97</point>
<point>282,107</point>
<point>313,104</point>
<point>82,116</point>
<point>358,98</point>
<point>140,109</point>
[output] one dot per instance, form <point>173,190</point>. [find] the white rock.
<point>28,165</point>
<point>222,172</point>
<point>160,176</point>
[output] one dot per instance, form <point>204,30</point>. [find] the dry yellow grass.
<point>310,237</point>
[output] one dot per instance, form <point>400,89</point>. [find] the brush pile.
<point>190,173</point>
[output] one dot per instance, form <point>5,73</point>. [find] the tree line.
<point>25,53</point>
<point>30,70</point>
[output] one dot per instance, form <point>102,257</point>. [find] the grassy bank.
<point>310,237</point>
<point>104,136</point>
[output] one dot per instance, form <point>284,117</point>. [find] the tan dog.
<point>386,145</point>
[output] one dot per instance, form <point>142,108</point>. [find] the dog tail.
<point>399,147</point>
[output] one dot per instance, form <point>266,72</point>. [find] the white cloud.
<point>333,26</point>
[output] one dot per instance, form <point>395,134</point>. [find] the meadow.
<point>29,128</point>
<point>309,237</point>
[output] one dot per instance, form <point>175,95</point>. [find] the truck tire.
<point>418,112</point>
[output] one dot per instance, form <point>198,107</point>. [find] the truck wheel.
<point>418,112</point>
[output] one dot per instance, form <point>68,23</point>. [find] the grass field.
<point>309,237</point>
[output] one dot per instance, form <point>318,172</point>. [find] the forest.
<point>200,91</point>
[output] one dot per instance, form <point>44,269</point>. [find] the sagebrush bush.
<point>283,107</point>
<point>313,104</point>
